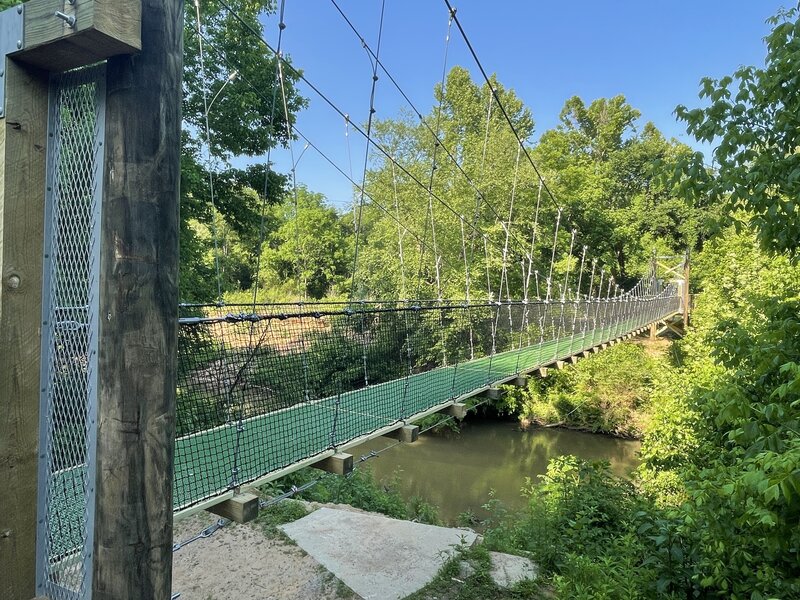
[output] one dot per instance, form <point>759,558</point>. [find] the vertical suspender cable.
<point>206,107</point>
<point>366,153</point>
<point>267,163</point>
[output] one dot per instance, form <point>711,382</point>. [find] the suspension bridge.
<point>258,396</point>
<point>261,389</point>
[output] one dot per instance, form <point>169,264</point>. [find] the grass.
<point>270,518</point>
<point>455,581</point>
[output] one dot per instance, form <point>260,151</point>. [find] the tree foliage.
<point>720,482</point>
<point>308,255</point>
<point>607,173</point>
<point>754,117</point>
<point>487,220</point>
<point>233,86</point>
<point>608,392</point>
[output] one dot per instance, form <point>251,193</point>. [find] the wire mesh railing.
<point>260,390</point>
<point>69,334</point>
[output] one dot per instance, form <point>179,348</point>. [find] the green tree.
<point>310,252</point>
<point>436,242</point>
<point>739,471</point>
<point>754,117</point>
<point>605,171</point>
<point>235,86</point>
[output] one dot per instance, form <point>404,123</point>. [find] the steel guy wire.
<point>366,154</point>
<point>429,213</point>
<point>370,140</point>
<point>267,162</point>
<point>503,109</point>
<point>206,108</point>
<point>439,142</point>
<point>328,159</point>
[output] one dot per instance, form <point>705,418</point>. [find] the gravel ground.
<point>241,562</point>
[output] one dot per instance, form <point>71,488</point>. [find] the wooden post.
<point>242,508</point>
<point>686,297</point>
<point>407,434</point>
<point>138,308</point>
<point>23,135</point>
<point>339,464</point>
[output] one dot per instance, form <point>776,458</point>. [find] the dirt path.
<point>240,562</point>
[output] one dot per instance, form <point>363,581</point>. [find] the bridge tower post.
<point>138,308</point>
<point>686,296</point>
<point>122,420</point>
<point>23,135</point>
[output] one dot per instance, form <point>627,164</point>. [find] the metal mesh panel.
<point>69,334</point>
<point>261,390</point>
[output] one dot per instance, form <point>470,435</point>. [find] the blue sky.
<point>655,53</point>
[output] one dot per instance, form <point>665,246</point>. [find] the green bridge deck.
<point>275,443</point>
<point>272,442</point>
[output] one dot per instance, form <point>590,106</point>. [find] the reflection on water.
<point>456,471</point>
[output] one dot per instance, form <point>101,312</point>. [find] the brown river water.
<point>457,471</point>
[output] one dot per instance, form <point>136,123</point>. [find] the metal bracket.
<point>12,40</point>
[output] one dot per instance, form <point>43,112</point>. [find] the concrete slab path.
<point>377,557</point>
<point>508,570</point>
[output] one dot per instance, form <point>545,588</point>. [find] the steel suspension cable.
<point>370,140</point>
<point>206,107</point>
<point>301,291</point>
<point>507,227</point>
<point>366,154</point>
<point>503,110</point>
<point>349,177</point>
<point>429,216</point>
<point>262,232</point>
<point>437,140</point>
<point>533,239</point>
<point>400,235</point>
<point>497,98</point>
<point>478,203</point>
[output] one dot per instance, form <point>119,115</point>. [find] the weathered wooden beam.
<point>406,433</point>
<point>23,139</point>
<point>339,464</point>
<point>139,307</point>
<point>457,410</point>
<point>670,327</point>
<point>685,297</point>
<point>101,29</point>
<point>653,331</point>
<point>242,508</point>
